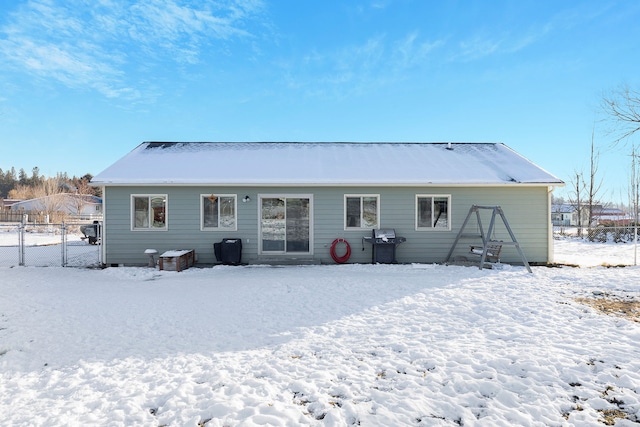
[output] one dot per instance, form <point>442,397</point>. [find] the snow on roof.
<point>63,197</point>
<point>563,208</point>
<point>323,163</point>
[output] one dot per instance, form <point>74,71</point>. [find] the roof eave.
<point>328,184</point>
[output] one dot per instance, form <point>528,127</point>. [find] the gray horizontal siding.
<point>526,209</point>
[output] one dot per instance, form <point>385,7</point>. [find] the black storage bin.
<point>229,251</point>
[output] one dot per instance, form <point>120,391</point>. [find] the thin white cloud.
<point>481,45</point>
<point>478,47</point>
<point>95,44</point>
<point>485,43</point>
<point>365,57</point>
<point>380,4</point>
<point>180,29</point>
<point>359,68</point>
<point>344,71</point>
<point>412,51</point>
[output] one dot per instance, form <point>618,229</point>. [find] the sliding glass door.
<point>285,224</point>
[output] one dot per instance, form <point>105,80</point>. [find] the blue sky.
<point>84,82</point>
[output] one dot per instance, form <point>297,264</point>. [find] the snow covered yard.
<point>369,345</point>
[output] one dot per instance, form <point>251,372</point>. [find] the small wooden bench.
<point>493,251</point>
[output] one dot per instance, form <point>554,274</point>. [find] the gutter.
<point>325,184</point>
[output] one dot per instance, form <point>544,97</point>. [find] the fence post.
<point>21,244</point>
<point>635,242</point>
<point>63,232</point>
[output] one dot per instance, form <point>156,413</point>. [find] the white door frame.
<point>285,196</point>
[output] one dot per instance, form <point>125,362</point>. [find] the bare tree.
<point>51,199</point>
<point>594,184</point>
<point>83,193</point>
<point>634,199</point>
<point>622,106</point>
<point>575,198</point>
<point>22,192</point>
<point>635,184</point>
<point>82,186</point>
<point>79,201</point>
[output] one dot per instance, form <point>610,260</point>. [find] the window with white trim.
<point>361,211</point>
<point>218,212</point>
<point>433,212</point>
<point>149,212</point>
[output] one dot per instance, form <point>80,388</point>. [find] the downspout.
<point>103,242</point>
<point>550,251</point>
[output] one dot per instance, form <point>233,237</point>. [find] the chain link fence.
<point>47,245</point>
<point>601,234</point>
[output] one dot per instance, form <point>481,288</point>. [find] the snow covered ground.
<point>336,345</point>
<point>590,254</point>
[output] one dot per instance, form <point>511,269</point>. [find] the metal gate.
<point>48,245</point>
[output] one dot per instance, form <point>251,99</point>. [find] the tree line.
<point>23,186</point>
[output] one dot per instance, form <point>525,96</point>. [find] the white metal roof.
<point>323,163</point>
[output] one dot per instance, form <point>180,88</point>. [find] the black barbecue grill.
<point>384,242</point>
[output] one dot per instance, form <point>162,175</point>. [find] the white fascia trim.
<point>324,184</point>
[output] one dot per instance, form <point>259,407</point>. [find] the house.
<point>566,214</point>
<point>6,203</point>
<point>62,206</point>
<point>290,201</point>
<point>6,215</point>
<point>611,217</point>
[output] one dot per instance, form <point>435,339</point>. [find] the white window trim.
<point>361,227</point>
<point>433,196</point>
<point>235,212</point>
<point>149,228</point>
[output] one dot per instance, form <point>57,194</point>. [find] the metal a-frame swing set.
<point>490,249</point>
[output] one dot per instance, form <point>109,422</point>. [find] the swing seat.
<point>493,251</point>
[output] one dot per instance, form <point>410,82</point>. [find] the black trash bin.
<point>228,251</point>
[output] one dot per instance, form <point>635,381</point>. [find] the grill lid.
<point>384,233</point>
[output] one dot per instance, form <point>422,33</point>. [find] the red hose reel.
<point>342,258</point>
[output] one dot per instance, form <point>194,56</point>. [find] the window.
<point>218,212</point>
<point>149,212</point>
<point>361,211</point>
<point>433,212</point>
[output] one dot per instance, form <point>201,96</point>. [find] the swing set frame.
<point>490,249</point>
